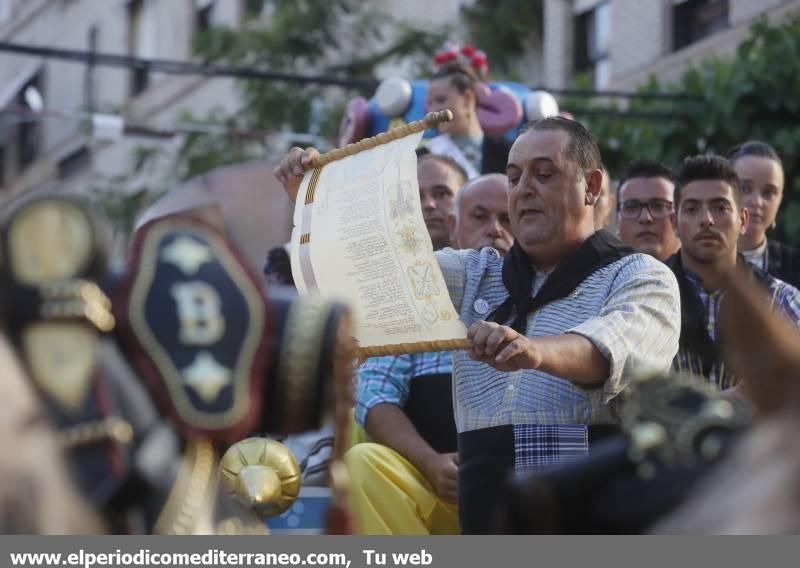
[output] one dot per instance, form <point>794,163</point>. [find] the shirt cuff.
<point>615,353</point>
<point>363,408</point>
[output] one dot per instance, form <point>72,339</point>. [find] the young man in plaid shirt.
<point>709,219</point>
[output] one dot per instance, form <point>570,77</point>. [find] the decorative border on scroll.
<point>312,186</point>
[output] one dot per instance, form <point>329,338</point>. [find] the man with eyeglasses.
<point>644,206</point>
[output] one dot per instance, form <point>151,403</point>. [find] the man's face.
<point>762,190</point>
<point>442,94</point>
<point>708,221</point>
<point>482,219</point>
<point>438,184</point>
<point>547,191</point>
<point>650,230</point>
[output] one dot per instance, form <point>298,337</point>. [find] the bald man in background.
<point>480,216</point>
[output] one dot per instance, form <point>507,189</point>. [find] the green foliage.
<point>213,143</point>
<point>121,207</point>
<point>504,29</point>
<point>751,96</point>
<point>121,198</point>
<point>343,38</point>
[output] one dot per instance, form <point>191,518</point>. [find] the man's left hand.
<point>502,347</point>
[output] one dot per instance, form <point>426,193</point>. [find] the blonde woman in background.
<point>760,170</point>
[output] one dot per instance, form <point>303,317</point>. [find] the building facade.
<point>47,140</point>
<point>619,44</point>
<point>50,144</point>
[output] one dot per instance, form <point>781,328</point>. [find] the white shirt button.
<point>511,387</point>
<point>481,306</point>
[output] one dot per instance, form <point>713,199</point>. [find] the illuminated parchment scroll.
<point>359,237</point>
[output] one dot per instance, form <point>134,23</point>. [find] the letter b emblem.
<point>199,312</point>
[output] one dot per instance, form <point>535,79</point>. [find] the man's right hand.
<point>441,471</point>
<point>292,167</point>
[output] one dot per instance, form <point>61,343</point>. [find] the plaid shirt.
<point>784,297</point>
<point>387,379</point>
<point>629,309</point>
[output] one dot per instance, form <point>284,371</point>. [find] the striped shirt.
<point>388,379</point>
<point>784,297</point>
<point>629,309</point>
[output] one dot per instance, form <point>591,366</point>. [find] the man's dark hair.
<point>423,155</point>
<point>278,269</point>
<point>644,169</point>
<point>582,147</point>
<point>707,167</point>
<point>753,148</point>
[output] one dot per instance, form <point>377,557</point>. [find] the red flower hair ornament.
<point>467,54</point>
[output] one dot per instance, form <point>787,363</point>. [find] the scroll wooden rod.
<point>416,347</point>
<point>431,120</point>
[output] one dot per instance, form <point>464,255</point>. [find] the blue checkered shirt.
<point>387,379</point>
<point>784,297</point>
<point>629,309</point>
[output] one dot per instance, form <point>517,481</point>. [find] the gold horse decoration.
<point>263,474</point>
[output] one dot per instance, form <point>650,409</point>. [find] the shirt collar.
<point>697,283</point>
<point>756,255</point>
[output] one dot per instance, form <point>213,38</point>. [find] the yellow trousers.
<point>388,495</point>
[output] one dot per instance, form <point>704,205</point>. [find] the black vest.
<point>429,407</point>
<point>783,262</point>
<point>694,338</point>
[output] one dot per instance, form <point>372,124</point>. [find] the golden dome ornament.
<point>263,474</point>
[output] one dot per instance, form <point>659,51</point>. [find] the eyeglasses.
<point>658,208</point>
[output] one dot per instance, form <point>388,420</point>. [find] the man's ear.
<point>594,184</point>
<point>744,217</point>
<point>451,228</point>
<point>472,98</point>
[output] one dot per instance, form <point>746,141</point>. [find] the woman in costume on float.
<point>487,115</point>
<point>458,84</point>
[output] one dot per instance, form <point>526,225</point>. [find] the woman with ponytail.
<point>760,171</point>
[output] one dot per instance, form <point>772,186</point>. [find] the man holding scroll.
<point>556,327</point>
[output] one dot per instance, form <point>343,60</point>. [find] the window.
<point>73,162</point>
<point>28,131</point>
<point>592,40</point>
<point>693,20</point>
<point>203,15</point>
<point>137,45</point>
<point>253,8</point>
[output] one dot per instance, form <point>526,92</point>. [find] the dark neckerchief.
<point>695,338</point>
<point>599,250</point>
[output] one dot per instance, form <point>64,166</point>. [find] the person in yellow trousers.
<point>405,480</point>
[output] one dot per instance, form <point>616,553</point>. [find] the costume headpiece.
<point>467,55</point>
